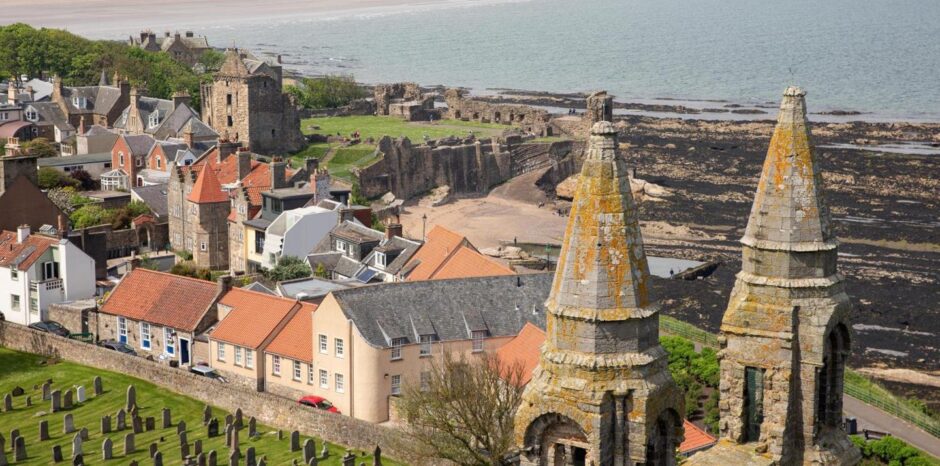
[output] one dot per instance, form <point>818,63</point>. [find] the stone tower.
<point>785,335</point>
<point>602,394</point>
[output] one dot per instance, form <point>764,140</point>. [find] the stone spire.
<point>602,393</point>
<point>103,80</point>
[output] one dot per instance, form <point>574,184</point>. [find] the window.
<point>323,345</point>
<point>340,384</point>
<point>338,343</point>
<point>50,270</point>
<point>396,385</point>
<point>202,246</point>
<point>324,379</point>
<point>228,99</point>
<point>121,159</point>
<point>31,114</point>
<point>397,343</point>
<point>310,374</point>
<point>249,358</point>
<point>4,115</point>
<point>238,355</point>
<point>220,350</point>
<point>139,162</point>
<point>79,102</point>
<point>341,246</point>
<point>14,274</point>
<point>426,345</point>
<point>229,120</point>
<point>145,335</point>
<point>276,365</point>
<point>14,302</point>
<point>297,371</point>
<point>33,305</point>
<point>168,344</point>
<point>154,119</point>
<point>259,242</point>
<point>159,162</point>
<point>425,381</point>
<point>380,259</point>
<point>122,329</point>
<point>478,336</point>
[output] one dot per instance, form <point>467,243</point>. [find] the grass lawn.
<point>26,370</point>
<point>378,126</point>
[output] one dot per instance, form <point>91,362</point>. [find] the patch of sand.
<point>929,379</point>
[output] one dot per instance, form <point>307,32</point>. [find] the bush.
<point>50,178</point>
<point>39,147</point>
<point>84,179</point>
<point>189,269</point>
<point>892,451</point>
<point>288,268</point>
<point>327,91</point>
<point>90,215</point>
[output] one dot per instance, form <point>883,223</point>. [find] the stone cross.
<point>150,423</point>
<point>56,453</point>
<point>158,459</point>
<point>83,433</point>
<point>107,449</point>
<point>80,394</point>
<point>167,418</point>
<point>206,415</point>
<point>128,443</point>
<point>68,424</point>
<point>212,429</point>
<point>8,403</point>
<point>67,400</point>
<point>106,424</point>
<point>19,449</point>
<point>294,440</point>
<point>131,397</point>
<point>121,419</point>
<point>43,430</point>
<point>46,391</point>
<point>252,426</point>
<point>377,456</point>
<point>212,458</point>
<point>181,427</point>
<point>56,397</point>
<point>250,457</point>
<point>76,445</point>
<point>310,450</point>
<point>234,457</point>
<point>99,389</point>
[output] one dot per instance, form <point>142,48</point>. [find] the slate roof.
<point>180,119</point>
<point>347,266</point>
<point>100,99</point>
<point>139,144</point>
<point>193,43</point>
<point>449,309</point>
<point>147,106</point>
<point>155,198</point>
<point>49,113</point>
<point>328,259</point>
<point>161,298</point>
<point>254,316</point>
<point>295,340</point>
<point>242,63</point>
<point>257,286</point>
<point>101,157</point>
<point>22,255</point>
<point>42,90</point>
<point>406,247</point>
<point>355,231</point>
<point>171,148</point>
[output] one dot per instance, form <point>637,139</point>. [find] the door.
<point>184,351</point>
<point>753,403</point>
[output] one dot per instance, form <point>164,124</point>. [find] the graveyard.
<point>56,411</point>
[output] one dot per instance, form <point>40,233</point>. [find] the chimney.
<point>320,183</point>
<point>81,125</point>
<point>188,137</point>
<point>56,88</point>
<point>311,163</point>
<point>22,232</point>
<point>189,33</point>
<point>244,163</point>
<point>12,89</point>
<point>134,262</point>
<point>32,93</point>
<point>392,230</point>
<point>226,148</point>
<point>61,229</point>
<point>344,215</point>
<point>181,98</point>
<point>225,284</point>
<point>176,35</point>
<point>278,174</point>
<point>122,84</point>
<point>166,34</point>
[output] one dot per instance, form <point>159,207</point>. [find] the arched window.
<point>831,376</point>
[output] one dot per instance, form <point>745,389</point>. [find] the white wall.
<point>77,270</point>
<point>18,287</point>
<point>299,230</point>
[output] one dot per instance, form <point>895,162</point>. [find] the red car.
<point>318,402</point>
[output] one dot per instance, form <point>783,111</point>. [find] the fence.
<point>856,385</point>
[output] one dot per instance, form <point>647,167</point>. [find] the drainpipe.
<point>349,368</point>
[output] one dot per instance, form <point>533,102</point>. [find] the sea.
<point>879,58</point>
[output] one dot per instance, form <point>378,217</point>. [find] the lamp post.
<point>424,227</point>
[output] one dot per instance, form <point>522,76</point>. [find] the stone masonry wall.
<point>267,408</point>
<point>529,119</point>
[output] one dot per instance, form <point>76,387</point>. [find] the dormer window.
<point>477,336</point>
<point>153,120</point>
<point>426,341</point>
<point>380,260</point>
<point>79,102</point>
<point>32,114</point>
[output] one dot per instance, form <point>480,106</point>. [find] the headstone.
<point>99,389</point>
<point>377,456</point>
<point>84,433</point>
<point>324,452</point>
<point>106,424</point>
<point>121,419</point>
<point>294,440</point>
<point>184,448</point>
<point>7,403</point>
<point>67,400</point>
<point>212,458</point>
<point>166,417</point>
<point>183,438</point>
<point>229,419</point>
<point>262,462</point>
<point>13,435</point>
<point>43,430</point>
<point>158,459</point>
<point>154,448</point>
<point>252,426</point>
<point>313,461</point>
<point>3,455</point>
<point>280,434</point>
<point>76,445</point>
<point>228,435</point>
<point>138,424</point>
<point>46,391</point>
<point>128,443</point>
<point>150,423</point>
<point>80,394</point>
<point>206,415</point>
<point>56,400</point>
<point>56,454</point>
<point>131,397</point>
<point>68,424</point>
<point>78,460</point>
<point>107,449</point>
<point>234,457</point>
<point>235,442</point>
<point>19,449</point>
<point>181,427</point>
<point>197,447</point>
<point>238,418</point>
<point>349,459</point>
<point>212,429</point>
<point>201,459</point>
<point>29,401</point>
<point>250,457</point>
<point>18,391</point>
<point>310,450</point>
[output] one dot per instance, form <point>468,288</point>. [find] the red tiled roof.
<point>524,349</point>
<point>10,250</point>
<point>466,263</point>
<point>449,255</point>
<point>207,188</point>
<point>695,438</point>
<point>440,244</point>
<point>257,181</point>
<point>161,298</point>
<point>295,340</point>
<point>253,317</point>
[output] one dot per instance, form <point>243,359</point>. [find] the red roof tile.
<point>33,248</point>
<point>524,349</point>
<point>695,438</point>
<point>467,262</point>
<point>207,188</point>
<point>440,244</point>
<point>254,316</point>
<point>161,298</point>
<point>257,181</point>
<point>295,340</point>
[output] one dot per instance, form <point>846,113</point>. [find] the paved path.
<point>870,417</point>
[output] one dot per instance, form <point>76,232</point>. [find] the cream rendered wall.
<point>284,384</point>
<point>330,320</point>
<point>240,371</point>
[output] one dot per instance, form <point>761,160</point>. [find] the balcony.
<point>53,284</point>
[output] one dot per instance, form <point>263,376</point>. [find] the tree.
<point>39,147</point>
<point>211,60</point>
<point>320,271</point>
<point>288,268</point>
<point>85,181</point>
<point>326,92</point>
<point>464,411</point>
<point>89,216</point>
<point>189,269</point>
<point>50,178</point>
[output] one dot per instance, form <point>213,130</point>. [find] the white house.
<point>296,232</point>
<point>38,270</point>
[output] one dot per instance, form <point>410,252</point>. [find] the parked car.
<point>207,371</point>
<point>117,346</point>
<point>51,326</point>
<point>318,402</point>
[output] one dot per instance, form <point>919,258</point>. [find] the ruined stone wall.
<point>269,409</point>
<point>529,119</point>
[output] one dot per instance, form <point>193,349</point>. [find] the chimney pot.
<point>392,230</point>
<point>22,232</point>
<point>225,284</point>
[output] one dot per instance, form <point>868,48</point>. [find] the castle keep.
<point>602,393</point>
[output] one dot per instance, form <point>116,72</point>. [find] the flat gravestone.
<point>80,394</point>
<point>46,391</point>
<point>250,459</point>
<point>294,441</point>
<point>107,449</point>
<point>76,445</point>
<point>67,400</point>
<point>212,429</point>
<point>310,450</point>
<point>19,449</point>
<point>206,415</point>
<point>106,424</point>
<point>56,400</point>
<point>83,433</point>
<point>131,397</point>
<point>150,423</point>
<point>99,388</point>
<point>43,430</point>
<point>153,449</point>
<point>68,424</point>
<point>56,454</point>
<point>158,459</point>
<point>121,419</point>
<point>212,458</point>
<point>128,444</point>
<point>167,418</point>
<point>7,403</point>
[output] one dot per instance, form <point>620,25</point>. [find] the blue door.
<point>184,351</point>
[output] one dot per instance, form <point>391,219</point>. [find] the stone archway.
<point>556,440</point>
<point>831,376</point>
<point>664,439</point>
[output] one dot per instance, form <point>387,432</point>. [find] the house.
<point>100,105</point>
<point>370,341</point>
<point>94,164</point>
<point>162,315</point>
<point>94,140</point>
<point>38,270</point>
<point>128,160</point>
<point>296,232</point>
<point>48,121</point>
<point>22,200</point>
<point>447,254</point>
<point>289,357</point>
<point>248,323</point>
<point>165,119</point>
<point>185,48</point>
<point>364,254</point>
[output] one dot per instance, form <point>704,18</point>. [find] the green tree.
<point>89,216</point>
<point>327,92</point>
<point>50,178</point>
<point>288,268</point>
<point>39,147</point>
<point>211,60</point>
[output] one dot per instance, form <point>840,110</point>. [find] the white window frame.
<point>341,246</point>
<point>339,383</point>
<point>249,358</point>
<point>309,374</point>
<point>153,120</point>
<point>203,246</point>
<point>323,344</point>
<point>169,346</point>
<point>339,347</point>
<point>121,158</point>
<point>397,344</point>
<point>426,342</point>
<point>145,336</point>
<point>396,384</point>
<point>297,371</point>
<point>380,260</point>
<point>15,303</point>
<point>14,274</point>
<point>238,355</point>
<point>478,337</point>
<point>122,329</point>
<point>324,379</point>
<point>275,365</point>
<point>31,114</point>
<point>220,351</point>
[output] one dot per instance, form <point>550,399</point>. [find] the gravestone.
<point>150,423</point>
<point>310,450</point>
<point>56,454</point>
<point>184,447</point>
<point>99,389</point>
<point>280,434</point>
<point>252,426</point>
<point>201,459</point>
<point>313,461</point>
<point>261,462</point>
<point>46,391</point>
<point>131,397</point>
<point>7,403</point>
<point>181,427</point>
<point>228,435</point>
<point>206,415</point>
<point>106,424</point>
<point>19,449</point>
<point>76,445</point>
<point>234,457</point>
<point>121,419</point>
<point>212,459</point>
<point>229,419</point>
<point>107,449</point>
<point>197,447</point>
<point>158,459</point>
<point>67,400</point>
<point>138,424</point>
<point>167,418</point>
<point>68,424</point>
<point>377,456</point>
<point>349,459</point>
<point>154,448</point>
<point>29,401</point>
<point>3,455</point>
<point>43,430</point>
<point>250,457</point>
<point>56,397</point>
<point>14,433</point>
<point>128,443</point>
<point>324,452</point>
<point>83,433</point>
<point>18,391</point>
<point>235,442</point>
<point>238,418</point>
<point>80,394</point>
<point>78,460</point>
<point>294,440</point>
<point>212,429</point>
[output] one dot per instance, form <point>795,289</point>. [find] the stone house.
<point>162,315</point>
<point>100,105</point>
<point>447,254</point>
<point>385,253</point>
<point>37,271</point>
<point>185,48</point>
<point>246,101</point>
<point>208,207</point>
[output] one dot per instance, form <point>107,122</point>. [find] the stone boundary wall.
<point>267,408</point>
